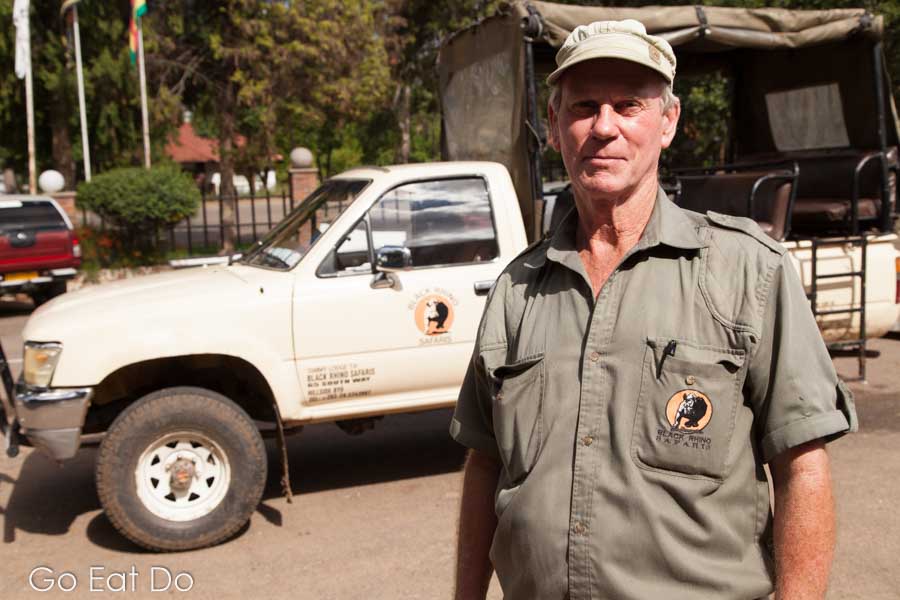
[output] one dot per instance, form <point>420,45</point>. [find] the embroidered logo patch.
<point>654,54</point>
<point>689,411</point>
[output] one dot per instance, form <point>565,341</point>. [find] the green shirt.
<point>633,428</point>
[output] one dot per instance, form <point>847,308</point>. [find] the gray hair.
<point>668,97</point>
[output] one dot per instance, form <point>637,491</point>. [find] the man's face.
<point>610,128</point>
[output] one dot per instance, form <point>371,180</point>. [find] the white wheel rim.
<point>208,486</point>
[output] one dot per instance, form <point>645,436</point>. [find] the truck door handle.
<point>483,287</point>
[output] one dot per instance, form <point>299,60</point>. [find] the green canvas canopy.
<point>711,28</point>
<point>801,79</point>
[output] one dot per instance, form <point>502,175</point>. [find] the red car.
<point>39,252</point>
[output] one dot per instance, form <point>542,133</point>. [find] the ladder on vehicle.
<point>858,345</point>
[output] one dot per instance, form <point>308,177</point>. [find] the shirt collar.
<point>668,225</point>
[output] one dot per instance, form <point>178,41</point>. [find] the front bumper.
<point>52,418</point>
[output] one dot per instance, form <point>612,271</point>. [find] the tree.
<point>53,89</point>
<point>110,89</point>
<point>113,94</point>
<point>354,81</point>
<point>268,71</point>
<point>340,77</point>
<point>413,30</point>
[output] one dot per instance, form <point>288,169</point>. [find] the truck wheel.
<point>181,468</point>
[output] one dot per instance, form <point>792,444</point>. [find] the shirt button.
<point>579,528</point>
<point>587,441</point>
<point>595,356</point>
<point>690,380</point>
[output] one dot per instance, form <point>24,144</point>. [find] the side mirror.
<point>390,259</point>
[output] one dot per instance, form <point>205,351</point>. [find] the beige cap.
<point>626,40</point>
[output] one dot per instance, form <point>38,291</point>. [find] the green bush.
<point>137,202</point>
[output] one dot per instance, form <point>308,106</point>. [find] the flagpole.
<point>29,112</point>
<point>22,24</point>
<point>85,146</point>
<point>143,78</point>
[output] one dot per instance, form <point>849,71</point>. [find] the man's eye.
<point>585,107</point>
<point>628,106</point>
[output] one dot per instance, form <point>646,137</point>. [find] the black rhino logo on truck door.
<point>437,313</point>
<point>434,314</point>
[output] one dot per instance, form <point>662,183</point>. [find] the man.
<point>634,371</point>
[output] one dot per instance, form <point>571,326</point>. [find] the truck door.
<point>404,340</point>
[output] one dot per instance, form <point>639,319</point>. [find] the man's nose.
<point>605,123</point>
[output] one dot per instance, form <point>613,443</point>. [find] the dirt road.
<point>374,516</point>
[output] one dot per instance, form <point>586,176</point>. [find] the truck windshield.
<point>289,241</point>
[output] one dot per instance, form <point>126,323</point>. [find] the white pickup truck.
<point>363,302</point>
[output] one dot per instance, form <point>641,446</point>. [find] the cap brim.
<point>606,50</point>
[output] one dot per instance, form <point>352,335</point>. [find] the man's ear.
<point>553,132</point>
<point>670,123</point>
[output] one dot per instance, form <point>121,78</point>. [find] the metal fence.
<point>204,232</point>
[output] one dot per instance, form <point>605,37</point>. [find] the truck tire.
<point>181,468</point>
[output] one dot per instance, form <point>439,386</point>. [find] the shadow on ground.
<point>15,306</point>
<point>46,499</point>
<point>323,457</point>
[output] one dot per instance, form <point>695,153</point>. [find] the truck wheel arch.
<point>231,376</point>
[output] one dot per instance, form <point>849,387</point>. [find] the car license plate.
<point>20,276</point>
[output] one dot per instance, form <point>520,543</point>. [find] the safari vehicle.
<point>811,145</point>
<point>365,300</point>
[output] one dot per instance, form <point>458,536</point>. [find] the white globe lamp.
<point>51,181</point>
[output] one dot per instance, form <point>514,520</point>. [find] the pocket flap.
<point>685,351</point>
<point>520,366</point>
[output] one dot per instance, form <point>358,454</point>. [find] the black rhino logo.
<point>693,408</point>
<point>436,312</point>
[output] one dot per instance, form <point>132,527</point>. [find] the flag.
<point>138,10</point>
<point>23,38</point>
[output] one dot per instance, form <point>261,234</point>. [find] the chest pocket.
<point>516,411</point>
<point>687,408</point>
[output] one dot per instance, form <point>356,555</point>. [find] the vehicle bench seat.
<point>826,211</point>
<point>825,188</point>
<point>729,193</point>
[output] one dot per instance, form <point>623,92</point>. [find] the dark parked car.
<point>39,252</point>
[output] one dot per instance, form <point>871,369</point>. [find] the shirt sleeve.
<point>793,387</point>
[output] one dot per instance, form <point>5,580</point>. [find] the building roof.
<point>189,147</point>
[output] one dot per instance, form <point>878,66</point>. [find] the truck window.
<point>352,255</point>
<point>442,222</point>
<point>285,245</point>
<point>36,216</point>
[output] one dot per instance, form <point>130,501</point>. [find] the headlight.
<point>40,362</point>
